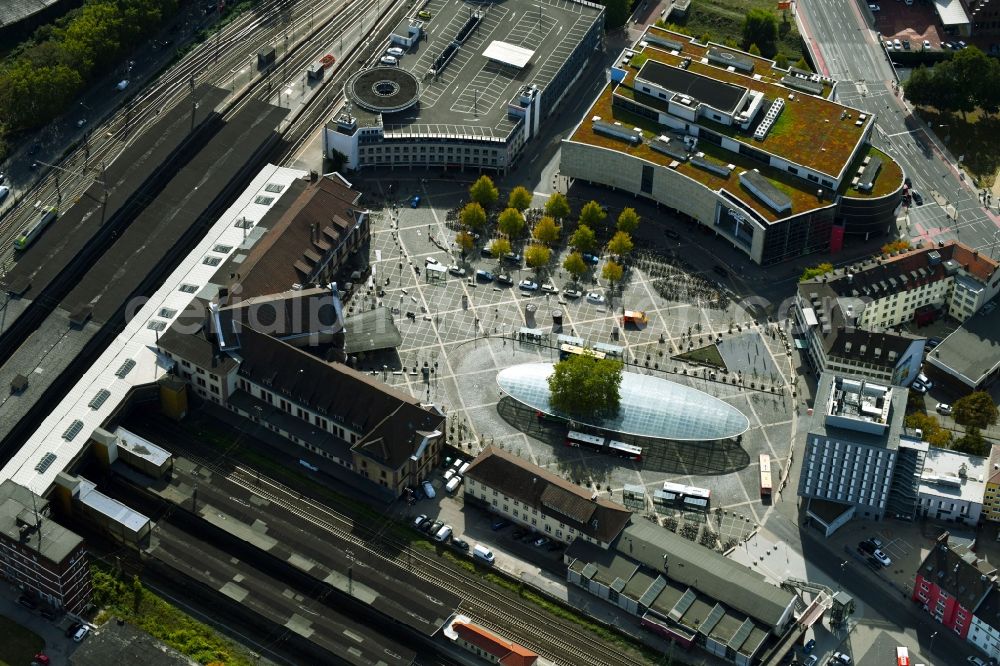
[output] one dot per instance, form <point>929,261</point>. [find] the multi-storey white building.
<point>538,499</point>
<point>846,318</point>
<point>952,486</point>
<point>984,630</point>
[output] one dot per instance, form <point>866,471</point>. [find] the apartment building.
<point>952,584</point>
<point>859,462</point>
<point>848,320</point>
<point>952,486</point>
<point>991,494</point>
<point>541,501</point>
<point>984,631</point>
<point>44,559</point>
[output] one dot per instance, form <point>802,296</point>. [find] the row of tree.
<point>511,226</point>
<point>42,78</point>
<point>968,80</point>
<point>975,411</point>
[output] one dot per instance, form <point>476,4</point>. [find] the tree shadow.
<point>669,457</point>
<point>973,138</point>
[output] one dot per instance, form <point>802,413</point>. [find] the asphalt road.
<point>842,37</point>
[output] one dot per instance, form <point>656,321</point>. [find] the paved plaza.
<point>457,334</point>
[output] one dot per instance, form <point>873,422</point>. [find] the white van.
<point>452,485</point>
<point>481,552</point>
<point>443,533</point>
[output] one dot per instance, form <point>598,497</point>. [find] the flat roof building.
<point>761,155</point>
<point>952,486</point>
<point>859,461</point>
<point>39,555</point>
<point>476,84</point>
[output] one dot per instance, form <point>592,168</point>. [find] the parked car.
<point>460,544</point>
<point>512,257</point>
<point>932,343</point>
<point>549,288</point>
<point>808,647</point>
<point>499,524</point>
<point>81,122</point>
<point>72,629</point>
<point>867,547</point>
<point>448,474</point>
<point>882,558</point>
<point>431,260</point>
<point>426,526</point>
<point>571,292</point>
<point>4,192</point>
<point>874,8</point>
<point>896,44</point>
<point>842,658</point>
<point>424,14</point>
<point>927,45</point>
<point>420,520</point>
<point>888,45</point>
<point>484,276</point>
<point>395,52</point>
<point>943,408</point>
<point>527,285</point>
<point>918,387</point>
<point>504,278</point>
<point>976,661</point>
<point>435,527</point>
<point>428,489</point>
<point>592,259</point>
<point>389,60</point>
<point>539,542</point>
<point>81,633</point>
<point>925,380</point>
<point>456,270</point>
<point>961,44</point>
<point>486,252</point>
<point>122,85</point>
<point>811,660</point>
<point>415,201</point>
<point>595,298</point>
<point>443,534</point>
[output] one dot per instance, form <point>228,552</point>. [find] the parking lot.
<point>458,333</point>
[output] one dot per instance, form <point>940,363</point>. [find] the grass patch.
<point>133,603</point>
<point>19,644</point>
<point>972,137</point>
<point>708,355</point>
<point>723,21</point>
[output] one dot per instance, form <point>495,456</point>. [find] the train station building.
<point>759,155</point>
<point>472,89</point>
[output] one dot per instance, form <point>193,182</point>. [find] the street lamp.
<point>933,636</point>
<point>840,579</point>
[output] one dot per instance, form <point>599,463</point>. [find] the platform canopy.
<point>509,54</point>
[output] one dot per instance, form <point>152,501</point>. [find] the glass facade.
<point>650,406</point>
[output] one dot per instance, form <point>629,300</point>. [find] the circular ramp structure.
<point>650,406</point>
<point>383,89</point>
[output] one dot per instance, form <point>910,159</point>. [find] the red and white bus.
<point>902,656</point>
<point>602,445</point>
<point>765,475</point>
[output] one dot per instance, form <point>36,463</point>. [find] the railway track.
<point>494,608</point>
<point>216,61</point>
